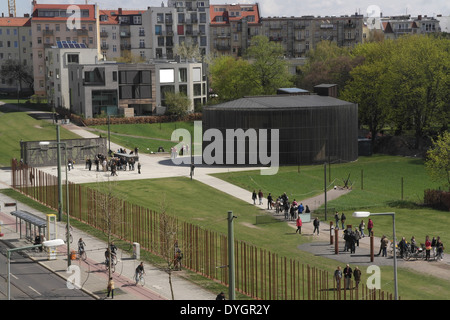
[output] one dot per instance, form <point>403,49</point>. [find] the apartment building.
<point>51,23</point>
<point>58,59</point>
<point>15,44</point>
<point>180,22</point>
<point>232,26</point>
<point>124,33</point>
<point>397,26</point>
<point>298,35</point>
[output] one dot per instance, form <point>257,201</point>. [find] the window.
<point>166,76</point>
<point>114,76</point>
<point>197,89</point>
<point>197,75</point>
<point>137,20</point>
<point>72,58</point>
<point>182,75</point>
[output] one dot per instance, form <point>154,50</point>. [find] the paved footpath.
<point>157,166</point>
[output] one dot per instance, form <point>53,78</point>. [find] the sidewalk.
<point>93,274</point>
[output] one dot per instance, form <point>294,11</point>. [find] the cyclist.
<point>81,245</point>
<point>139,271</point>
<point>113,249</point>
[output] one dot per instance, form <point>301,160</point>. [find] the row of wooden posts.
<point>259,273</point>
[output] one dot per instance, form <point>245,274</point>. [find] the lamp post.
<point>60,193</point>
<point>365,214</point>
<point>49,243</point>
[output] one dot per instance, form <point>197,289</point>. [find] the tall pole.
<point>58,155</point>
<point>231,287</point>
<point>325,187</point>
<point>67,211</point>
<point>109,136</point>
<point>395,260</point>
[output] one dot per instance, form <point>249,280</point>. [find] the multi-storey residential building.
<point>180,22</point>
<point>232,26</point>
<point>397,26</point>
<point>58,58</point>
<point>56,22</point>
<point>133,89</point>
<point>124,33</point>
<point>297,35</point>
<point>15,44</point>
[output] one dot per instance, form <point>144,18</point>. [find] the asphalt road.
<point>31,281</point>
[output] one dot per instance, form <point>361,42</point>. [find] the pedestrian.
<point>260,196</point>
<point>110,288</point>
<point>139,167</point>
<point>316,224</point>
<point>439,249</point>
<point>338,277</point>
<point>220,296</point>
<point>254,196</point>
<point>370,227</point>
<point>362,226</point>
<point>299,225</point>
<point>307,209</point>
<point>357,237</point>
<point>427,248</point>
<point>300,208</point>
<point>336,218</point>
<point>343,218</point>
<point>433,246</point>
<point>347,276</point>
<point>269,201</point>
<point>357,276</point>
<point>403,247</point>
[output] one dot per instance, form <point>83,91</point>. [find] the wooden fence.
<point>259,273</point>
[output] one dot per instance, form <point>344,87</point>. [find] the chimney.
<point>120,11</point>
<point>419,17</point>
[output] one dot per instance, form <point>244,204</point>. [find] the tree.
<point>420,71</point>
<point>188,52</point>
<point>370,86</point>
<point>229,78</point>
<point>13,70</point>
<point>438,159</point>
<point>108,207</point>
<point>268,69</point>
<point>327,63</point>
<point>178,104</point>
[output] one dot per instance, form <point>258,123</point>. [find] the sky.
<point>280,7</point>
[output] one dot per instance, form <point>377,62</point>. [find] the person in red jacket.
<point>370,226</point>
<point>299,225</point>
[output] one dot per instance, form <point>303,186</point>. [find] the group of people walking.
<point>113,164</point>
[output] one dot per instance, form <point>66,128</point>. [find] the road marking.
<point>34,290</point>
<point>14,276</point>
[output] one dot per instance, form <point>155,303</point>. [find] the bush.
<point>437,199</point>
<point>131,120</point>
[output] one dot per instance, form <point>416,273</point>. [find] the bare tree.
<point>171,253</point>
<point>108,208</point>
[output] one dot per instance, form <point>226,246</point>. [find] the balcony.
<point>125,47</point>
<point>125,34</point>
<point>47,32</point>
<point>222,47</point>
<point>103,34</point>
<point>104,46</point>
<point>223,35</point>
<point>82,32</point>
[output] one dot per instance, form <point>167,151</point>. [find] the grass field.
<point>16,126</point>
<point>376,184</point>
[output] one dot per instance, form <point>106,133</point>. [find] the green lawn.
<point>16,126</point>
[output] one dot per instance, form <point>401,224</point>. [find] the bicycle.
<point>81,254</point>
<point>113,266</point>
<point>140,280</point>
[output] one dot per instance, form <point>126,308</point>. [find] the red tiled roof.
<point>15,22</point>
<point>113,19</point>
<point>228,18</point>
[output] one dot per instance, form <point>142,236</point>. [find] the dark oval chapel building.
<point>312,128</point>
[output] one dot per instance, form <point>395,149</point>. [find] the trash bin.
<point>73,255</point>
<point>136,250</point>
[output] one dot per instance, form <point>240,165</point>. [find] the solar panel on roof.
<point>82,45</point>
<point>77,45</point>
<point>71,45</point>
<point>65,45</point>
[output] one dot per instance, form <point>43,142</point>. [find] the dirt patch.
<point>250,225</point>
<point>38,127</point>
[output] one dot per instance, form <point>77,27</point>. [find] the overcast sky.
<point>280,7</point>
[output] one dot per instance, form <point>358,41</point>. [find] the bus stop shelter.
<point>32,224</point>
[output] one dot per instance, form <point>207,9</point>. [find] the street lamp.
<point>43,143</point>
<point>48,243</point>
<point>365,214</point>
